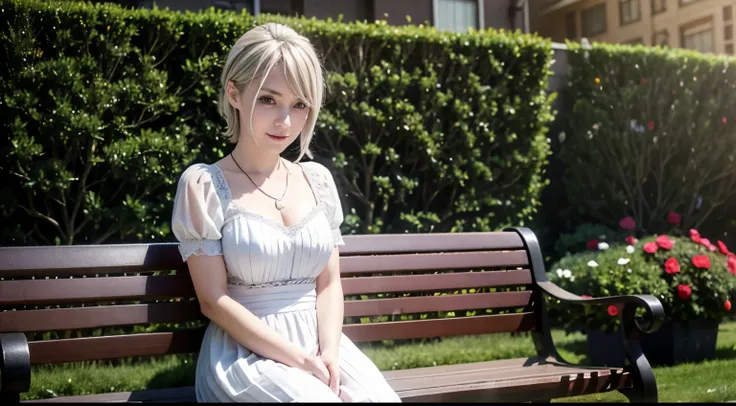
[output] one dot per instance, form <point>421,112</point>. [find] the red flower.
<point>674,218</point>
<point>664,242</point>
<point>671,266</point>
<point>650,125</point>
<point>727,305</point>
<point>701,261</point>
<point>684,292</point>
<point>612,310</point>
<point>627,223</point>
<point>643,81</point>
<point>731,263</point>
<point>650,248</point>
<point>724,120</point>
<point>695,236</point>
<point>592,245</point>
<point>631,240</point>
<point>722,247</point>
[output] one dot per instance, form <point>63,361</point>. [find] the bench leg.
<point>9,398</point>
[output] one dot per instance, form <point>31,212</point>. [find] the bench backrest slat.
<point>179,312</point>
<point>484,278</point>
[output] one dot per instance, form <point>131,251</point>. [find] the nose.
<point>284,119</point>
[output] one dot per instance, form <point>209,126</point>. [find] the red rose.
<point>684,291</point>
<point>592,245</point>
<point>612,310</point>
<point>722,247</point>
<point>695,236</point>
<point>673,218</point>
<point>664,242</point>
<point>643,81</point>
<point>650,248</point>
<point>727,305</point>
<point>650,124</point>
<point>631,240</point>
<point>671,266</point>
<point>701,261</point>
<point>627,223</point>
<point>724,120</point>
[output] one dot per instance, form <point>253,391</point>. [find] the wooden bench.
<point>505,270</point>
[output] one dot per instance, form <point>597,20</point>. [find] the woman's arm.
<point>330,311</point>
<point>210,284</point>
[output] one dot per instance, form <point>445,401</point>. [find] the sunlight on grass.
<point>710,381</point>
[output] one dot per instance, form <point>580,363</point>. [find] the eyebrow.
<point>266,89</point>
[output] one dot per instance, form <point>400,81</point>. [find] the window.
<point>571,27</point>
<point>729,49</point>
<point>659,6</point>
<point>630,11</point>
<point>727,13</point>
<point>458,15</point>
<point>635,41</point>
<point>728,32</point>
<point>594,20</point>
<point>698,36</point>
<point>661,38</point>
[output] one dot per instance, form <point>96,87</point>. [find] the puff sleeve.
<point>334,206</point>
<point>197,217</point>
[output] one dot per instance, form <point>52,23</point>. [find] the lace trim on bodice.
<point>319,185</point>
<point>235,281</point>
<point>200,247</point>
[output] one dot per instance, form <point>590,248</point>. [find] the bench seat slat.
<point>501,380</point>
<point>107,316</point>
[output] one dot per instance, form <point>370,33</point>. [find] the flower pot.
<point>673,343</point>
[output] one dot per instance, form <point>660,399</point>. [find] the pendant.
<point>278,204</point>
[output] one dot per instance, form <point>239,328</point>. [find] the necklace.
<point>277,202</point>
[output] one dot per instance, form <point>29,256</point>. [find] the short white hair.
<point>253,57</point>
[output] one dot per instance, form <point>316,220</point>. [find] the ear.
<point>233,95</point>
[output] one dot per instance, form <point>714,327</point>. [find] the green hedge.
<point>649,131</point>
<point>105,107</point>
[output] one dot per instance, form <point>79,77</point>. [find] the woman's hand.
<point>331,360</point>
<point>315,366</point>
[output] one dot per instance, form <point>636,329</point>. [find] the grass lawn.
<point>710,381</point>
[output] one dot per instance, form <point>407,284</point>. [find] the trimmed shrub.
<point>649,131</point>
<point>105,107</point>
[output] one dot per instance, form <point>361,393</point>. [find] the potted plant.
<point>694,279</point>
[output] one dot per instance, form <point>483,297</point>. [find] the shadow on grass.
<point>175,377</point>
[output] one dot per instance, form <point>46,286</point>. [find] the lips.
<point>277,137</point>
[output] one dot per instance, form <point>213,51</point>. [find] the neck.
<point>255,161</point>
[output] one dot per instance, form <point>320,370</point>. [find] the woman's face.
<point>278,116</point>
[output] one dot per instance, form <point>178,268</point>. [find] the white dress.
<point>271,270</point>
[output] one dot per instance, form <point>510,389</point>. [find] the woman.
<point>260,237</point>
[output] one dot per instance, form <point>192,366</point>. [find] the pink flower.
<point>722,247</point>
<point>664,242</point>
<point>627,223</point>
<point>650,248</point>
<point>724,120</point>
<point>631,240</point>
<point>695,236</point>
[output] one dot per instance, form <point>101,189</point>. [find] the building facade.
<point>453,15</point>
<point>702,25</point>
